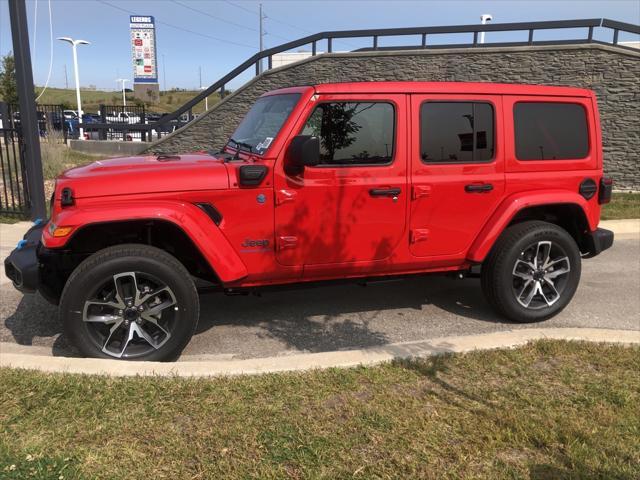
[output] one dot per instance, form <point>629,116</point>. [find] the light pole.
<point>206,99</point>
<point>124,97</point>
<point>484,18</point>
<point>74,45</point>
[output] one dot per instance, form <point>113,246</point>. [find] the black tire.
<point>512,253</point>
<point>154,282</point>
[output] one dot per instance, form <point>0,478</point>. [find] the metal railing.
<point>169,121</point>
<point>51,121</point>
<point>14,197</point>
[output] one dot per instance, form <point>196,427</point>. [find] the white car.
<point>123,117</point>
<point>69,114</point>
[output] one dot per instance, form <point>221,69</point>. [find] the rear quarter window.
<point>550,131</point>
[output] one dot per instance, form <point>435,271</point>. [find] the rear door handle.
<point>478,188</point>
<point>384,192</point>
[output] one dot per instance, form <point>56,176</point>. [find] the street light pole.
<point>74,45</point>
<point>484,18</point>
<point>124,97</point>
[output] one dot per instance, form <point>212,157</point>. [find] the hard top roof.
<point>440,87</point>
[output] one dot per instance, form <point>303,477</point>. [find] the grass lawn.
<point>623,205</point>
<point>548,410</point>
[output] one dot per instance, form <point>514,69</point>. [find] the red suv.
<point>325,182</point>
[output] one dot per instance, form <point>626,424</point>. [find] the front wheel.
<point>130,302</point>
<point>532,272</point>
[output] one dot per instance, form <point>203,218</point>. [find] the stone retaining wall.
<point>612,72</point>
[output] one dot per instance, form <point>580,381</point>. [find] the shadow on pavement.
<point>35,317</point>
<point>316,319</point>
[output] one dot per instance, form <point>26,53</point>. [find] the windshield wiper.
<point>239,144</point>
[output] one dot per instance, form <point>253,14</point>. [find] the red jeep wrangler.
<point>352,180</point>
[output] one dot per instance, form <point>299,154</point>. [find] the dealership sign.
<point>143,49</point>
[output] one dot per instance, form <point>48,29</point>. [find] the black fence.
<point>52,123</point>
<point>14,197</point>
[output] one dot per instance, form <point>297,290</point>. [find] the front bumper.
<point>22,266</point>
<point>598,241</point>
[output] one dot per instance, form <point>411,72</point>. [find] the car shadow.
<point>305,319</point>
<point>35,318</point>
<point>313,319</point>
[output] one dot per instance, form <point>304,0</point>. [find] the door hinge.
<point>285,242</point>
<point>420,191</point>
<point>419,235</point>
<point>284,196</point>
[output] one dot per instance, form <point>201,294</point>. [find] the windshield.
<point>263,122</point>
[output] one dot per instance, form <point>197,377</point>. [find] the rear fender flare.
<point>206,236</point>
<point>515,203</point>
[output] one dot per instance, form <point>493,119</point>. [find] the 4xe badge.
<point>259,245</point>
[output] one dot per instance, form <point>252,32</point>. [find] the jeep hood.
<point>148,174</point>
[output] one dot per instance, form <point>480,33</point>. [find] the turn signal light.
<point>62,231</point>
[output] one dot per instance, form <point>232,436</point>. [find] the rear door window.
<point>550,131</point>
<point>456,132</point>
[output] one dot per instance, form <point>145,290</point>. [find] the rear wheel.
<point>131,302</point>
<point>532,271</point>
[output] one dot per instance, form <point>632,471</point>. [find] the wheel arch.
<point>162,234</point>
<point>568,210</point>
<point>183,229</point>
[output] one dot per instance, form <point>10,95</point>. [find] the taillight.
<point>604,192</point>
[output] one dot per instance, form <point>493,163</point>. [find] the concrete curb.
<point>310,361</point>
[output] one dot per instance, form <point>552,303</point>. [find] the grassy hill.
<point>91,99</point>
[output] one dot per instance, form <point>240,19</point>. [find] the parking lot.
<point>350,316</point>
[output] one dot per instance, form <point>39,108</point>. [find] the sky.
<point>214,36</point>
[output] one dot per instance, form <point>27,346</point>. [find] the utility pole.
<point>27,101</point>
<point>164,72</point>
<point>262,34</point>
<point>200,75</point>
<point>66,78</point>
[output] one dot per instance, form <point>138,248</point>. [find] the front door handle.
<point>478,188</point>
<point>385,192</point>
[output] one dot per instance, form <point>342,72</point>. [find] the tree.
<point>334,124</point>
<point>8,87</point>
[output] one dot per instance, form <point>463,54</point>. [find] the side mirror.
<point>303,151</point>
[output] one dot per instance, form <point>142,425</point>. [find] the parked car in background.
<point>73,126</point>
<point>366,180</point>
<point>123,117</point>
<point>152,117</point>
<point>69,114</point>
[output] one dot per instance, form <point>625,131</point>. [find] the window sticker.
<point>264,144</point>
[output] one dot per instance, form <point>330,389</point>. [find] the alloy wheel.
<point>540,275</point>
<point>130,315</point>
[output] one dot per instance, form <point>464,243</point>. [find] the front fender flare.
<point>205,235</point>
<point>508,209</point>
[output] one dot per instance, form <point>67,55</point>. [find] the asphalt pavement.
<point>345,317</point>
